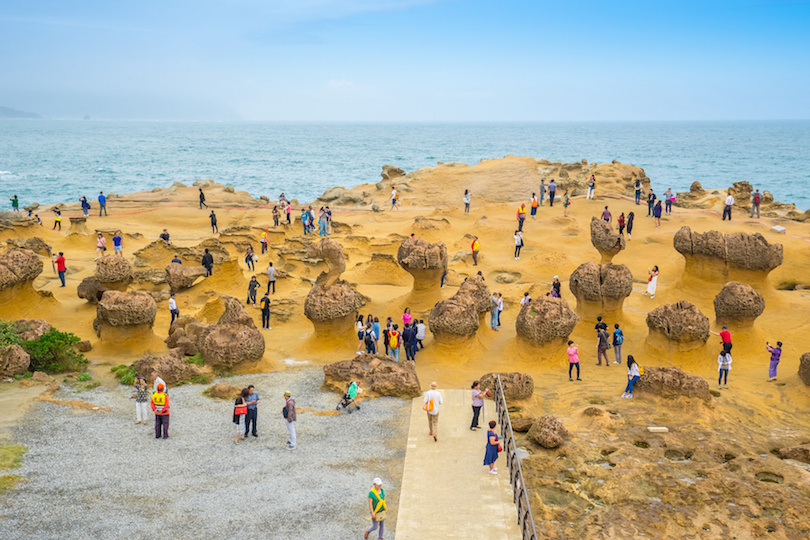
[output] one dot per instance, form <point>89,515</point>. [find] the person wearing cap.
<point>378,508</point>
<point>725,338</point>
<point>160,405</point>
<point>555,288</point>
<point>289,418</point>
<point>433,399</point>
<point>141,399</point>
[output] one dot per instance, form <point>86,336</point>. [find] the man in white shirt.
<point>526,299</point>
<point>173,308</point>
<point>272,273</point>
<point>727,209</point>
<point>432,401</point>
<point>157,380</point>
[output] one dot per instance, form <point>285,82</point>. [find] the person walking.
<point>15,203</point>
<point>378,508</point>
<point>160,406</point>
<point>521,215</point>
<point>477,403</point>
<point>213,217</point>
<point>433,399</point>
<point>621,222</point>
<point>500,307</point>
<point>633,375</point>
<point>394,341</point>
<point>651,198</point>
<point>118,243</point>
<point>652,282</point>
<point>552,192</point>
<point>602,346</point>
<point>725,338</point>
<point>657,214</point>
<point>421,333</point>
<point>534,206</point>
<point>493,311</point>
<point>289,419</point>
<point>668,198</point>
<point>60,267</point>
<point>591,187</point>
<point>252,401</point>
<point>618,339</point>
<point>239,415</point>
<point>607,217</point>
<point>566,203</point>
<point>141,400</point>
<point>263,240</point>
<point>476,247</point>
<point>202,199</point>
<point>573,359</point>
<point>518,244</point>
<point>175,313</point>
<point>776,355</point>
<point>394,199</point>
<point>101,246</point>
<point>727,208</point>
<point>57,219</point>
<point>208,263</point>
<point>492,449</point>
<point>102,204</point>
<point>542,191</point>
<point>756,199</point>
<point>253,286</point>
<point>408,334</point>
<point>85,206</point>
<point>630,217</point>
<point>467,197</point>
<point>723,367</point>
<point>250,258</point>
<point>637,187</point>
<point>264,305</point>
<point>272,274</point>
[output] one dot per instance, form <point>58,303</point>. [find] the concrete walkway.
<point>446,490</point>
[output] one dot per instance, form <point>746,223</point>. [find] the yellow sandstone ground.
<point>580,495</point>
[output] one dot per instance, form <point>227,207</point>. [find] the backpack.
<point>159,399</point>
<point>393,340</point>
<point>368,339</point>
<point>619,337</point>
<point>640,369</point>
<point>756,198</point>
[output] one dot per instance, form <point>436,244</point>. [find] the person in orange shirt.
<point>521,216</point>
<point>534,206</point>
<point>475,248</point>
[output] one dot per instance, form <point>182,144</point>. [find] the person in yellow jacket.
<point>521,216</point>
<point>160,405</point>
<point>378,508</point>
<point>534,206</point>
<point>475,248</point>
<point>263,238</point>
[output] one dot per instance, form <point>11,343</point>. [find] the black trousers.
<point>271,284</point>
<point>727,212</point>
<point>476,412</point>
<point>727,346</point>
<point>551,195</point>
<point>251,417</point>
<point>265,318</point>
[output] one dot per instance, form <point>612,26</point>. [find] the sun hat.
<point>556,277</point>
<point>377,481</point>
<point>434,385</point>
<point>287,393</point>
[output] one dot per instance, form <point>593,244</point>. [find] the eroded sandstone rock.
<point>223,346</point>
<point>19,266</point>
<point>739,250</point>
<point>738,302</point>
<point>671,383</point>
<point>113,269</point>
<point>455,317</point>
<point>13,361</point>
<point>121,309</point>
<point>603,286</point>
<point>375,374</point>
<point>681,322</point>
<point>426,262</point>
<point>545,320</point>
<point>181,276</point>
<point>172,368</point>
<point>91,289</point>
<point>477,291</point>
<point>605,239</point>
<point>548,431</point>
<point>515,385</point>
<point>804,368</point>
<point>31,329</point>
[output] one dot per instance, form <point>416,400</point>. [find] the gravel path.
<point>98,475</point>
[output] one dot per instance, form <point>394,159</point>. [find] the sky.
<point>407,60</point>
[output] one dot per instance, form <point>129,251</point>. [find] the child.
<point>141,399</point>
<point>573,359</point>
<point>776,354</point>
<point>566,203</point>
<point>723,367</point>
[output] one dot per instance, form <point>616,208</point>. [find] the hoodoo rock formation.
<point>181,277</point>
<point>113,271</point>
<point>713,252</point>
<point>331,304</point>
<point>515,385</point>
<point>91,289</point>
<point>605,239</point>
<point>118,313</point>
<point>14,361</point>
<point>18,267</point>
<point>682,323</point>
<point>457,317</point>
<point>475,288</point>
<point>545,320</point>
<point>672,383</point>
<point>739,303</point>
<point>426,262</point>
<point>603,286</point>
<point>377,375</point>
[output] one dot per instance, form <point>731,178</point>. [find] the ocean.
<point>51,161</point>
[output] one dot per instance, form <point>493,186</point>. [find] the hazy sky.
<point>413,60</point>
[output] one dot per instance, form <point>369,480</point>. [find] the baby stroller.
<point>348,399</point>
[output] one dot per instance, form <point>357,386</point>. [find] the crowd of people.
<point>411,338</point>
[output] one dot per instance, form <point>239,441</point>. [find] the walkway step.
<point>446,489</point>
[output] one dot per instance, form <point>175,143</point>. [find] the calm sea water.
<point>50,161</point>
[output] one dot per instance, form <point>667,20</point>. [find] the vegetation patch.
<point>83,377</point>
<point>55,352</point>
<point>10,458</point>
<point>202,378</point>
<point>196,359</point>
<point>124,373</point>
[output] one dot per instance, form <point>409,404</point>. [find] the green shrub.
<point>196,359</point>
<point>8,335</point>
<point>89,386</point>
<point>119,367</point>
<point>128,378</point>
<point>27,375</point>
<point>202,378</point>
<point>83,377</point>
<point>55,352</point>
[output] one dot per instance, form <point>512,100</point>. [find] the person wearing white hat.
<point>378,508</point>
<point>555,288</point>
<point>432,401</point>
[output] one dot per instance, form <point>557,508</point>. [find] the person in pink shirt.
<point>573,359</point>
<point>407,317</point>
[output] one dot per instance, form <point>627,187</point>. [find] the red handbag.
<point>500,448</point>
<point>240,410</point>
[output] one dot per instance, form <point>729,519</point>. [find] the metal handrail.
<point>519,493</point>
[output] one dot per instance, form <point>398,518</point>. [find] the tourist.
<point>518,244</point>
<point>15,204</point>
<point>618,339</point>
<point>164,236</point>
<point>534,206</point>
<point>213,217</point>
<point>476,247</point>
<point>118,246</point>
<point>776,354</point>
<point>467,196</point>
<point>368,337</point>
<point>378,508</point>
<point>652,282</point>
<point>602,346</point>
<point>239,414</point>
<point>633,375</point>
<point>305,220</point>
<point>756,199</point>
<point>57,219</point>
<point>360,328</point>
<point>433,399</point>
<point>477,403</point>
<point>725,338</point>
<point>85,207</point>
<point>493,311</point>
<point>102,204</point>
<point>263,240</point>
<point>621,222</point>
<point>160,406</point>
<point>651,198</point>
<point>252,401</point>
<point>39,221</point>
<point>493,447</point>
<point>555,288</point>
<point>542,191</point>
<point>600,324</point>
<point>657,213</point>
<point>328,213</point>
<point>591,188</point>
<point>289,214</point>
<point>101,245</point>
<point>202,199</point>
<point>208,263</point>
<point>637,187</point>
<point>282,199</point>
<point>408,338</point>
<point>552,192</point>
<point>607,217</point>
<point>407,318</point>
<point>264,305</point>
<point>386,335</point>
<point>526,299</point>
<point>521,216</point>
<point>253,285</point>
<point>376,328</point>
<point>141,399</point>
<point>60,267</point>
<point>176,259</point>
<point>394,341</point>
<point>630,217</point>
<point>250,258</point>
<point>175,313</point>
<point>421,333</point>
<point>156,380</point>
<point>727,208</point>
<point>566,203</point>
<point>573,359</point>
<point>394,199</point>
<point>500,307</point>
<point>723,367</point>
<point>322,221</point>
<point>669,197</point>
<point>289,419</point>
<point>272,275</point>
<point>275,219</point>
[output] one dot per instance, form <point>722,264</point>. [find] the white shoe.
<point>493,471</point>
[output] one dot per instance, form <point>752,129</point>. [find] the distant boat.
<point>8,112</point>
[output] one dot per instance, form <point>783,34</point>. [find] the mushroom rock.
<point>331,252</point>
<point>605,240</point>
<point>426,262</point>
<point>604,286</point>
<point>114,271</point>
<point>222,346</point>
<point>334,308</point>
<point>377,375</point>
<point>181,277</point>
<point>19,266</point>
<point>455,317</point>
<point>713,251</point>
<point>36,244</point>
<point>515,385</point>
<point>738,302</point>
<point>31,329</point>
<point>804,368</point>
<point>78,225</point>
<point>475,288</point>
<point>235,313</point>
<point>120,314</point>
<point>548,431</point>
<point>672,383</point>
<point>545,320</point>
<point>681,323</point>
<point>13,361</point>
<point>91,289</point>
<point>172,368</point>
